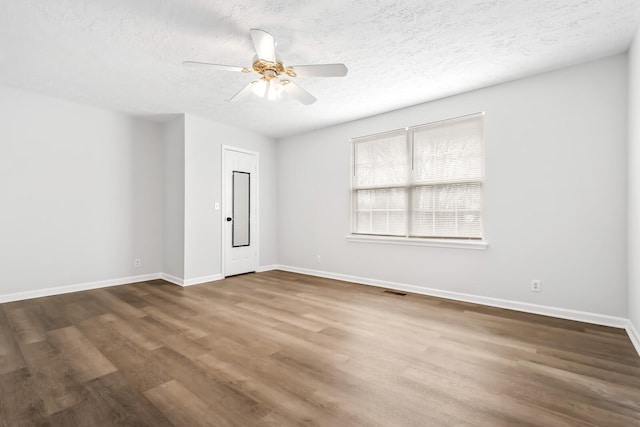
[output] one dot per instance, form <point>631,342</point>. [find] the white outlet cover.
<point>536,286</point>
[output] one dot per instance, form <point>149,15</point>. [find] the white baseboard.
<point>267,268</point>
<point>172,279</point>
<point>634,335</point>
<point>190,282</point>
<point>203,279</point>
<point>211,278</point>
<point>19,296</point>
<point>563,313</point>
<point>57,290</point>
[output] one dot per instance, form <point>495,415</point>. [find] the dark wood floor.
<point>283,349</point>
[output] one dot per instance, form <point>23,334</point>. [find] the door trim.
<point>223,201</point>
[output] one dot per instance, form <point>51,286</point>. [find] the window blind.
<point>424,181</point>
<point>381,175</point>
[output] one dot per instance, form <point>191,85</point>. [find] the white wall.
<point>203,225</point>
<point>173,202</point>
<point>634,186</point>
<point>81,194</point>
<point>555,195</point>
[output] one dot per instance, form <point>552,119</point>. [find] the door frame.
<point>223,207</point>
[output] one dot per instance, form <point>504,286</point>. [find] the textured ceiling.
<point>126,55</point>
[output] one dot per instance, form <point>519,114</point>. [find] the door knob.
<point>229,218</point>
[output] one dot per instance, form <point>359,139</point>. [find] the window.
<point>420,182</point>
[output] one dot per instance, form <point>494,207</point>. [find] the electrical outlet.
<point>318,258</point>
<point>137,262</point>
<point>535,286</point>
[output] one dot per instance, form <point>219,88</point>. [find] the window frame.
<point>478,243</point>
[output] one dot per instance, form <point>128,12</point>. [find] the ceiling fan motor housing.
<point>263,67</point>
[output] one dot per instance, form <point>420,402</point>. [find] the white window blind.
<point>380,179</point>
<point>424,181</point>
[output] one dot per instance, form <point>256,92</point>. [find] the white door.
<point>240,220</point>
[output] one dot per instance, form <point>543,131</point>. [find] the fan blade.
<point>320,70</point>
<point>300,94</point>
<point>245,92</point>
<point>265,45</point>
<point>215,66</point>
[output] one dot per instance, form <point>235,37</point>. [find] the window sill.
<point>416,241</point>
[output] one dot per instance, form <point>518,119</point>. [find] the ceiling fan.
<point>274,80</point>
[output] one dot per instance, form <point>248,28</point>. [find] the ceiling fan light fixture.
<point>269,88</point>
<point>260,87</point>
<point>276,85</point>
<point>275,89</point>
<point>274,96</point>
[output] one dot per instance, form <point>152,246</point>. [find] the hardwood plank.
<point>10,356</point>
<point>115,305</point>
<point>26,325</point>
<point>55,381</point>
<point>291,343</point>
<point>20,404</point>
<point>87,362</point>
<point>482,406</point>
<point>182,407</point>
<point>111,401</point>
<point>135,331</point>
<point>283,396</point>
<point>282,316</point>
<point>222,396</point>
<point>255,343</point>
<point>131,360</point>
<point>51,313</point>
<point>190,329</point>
